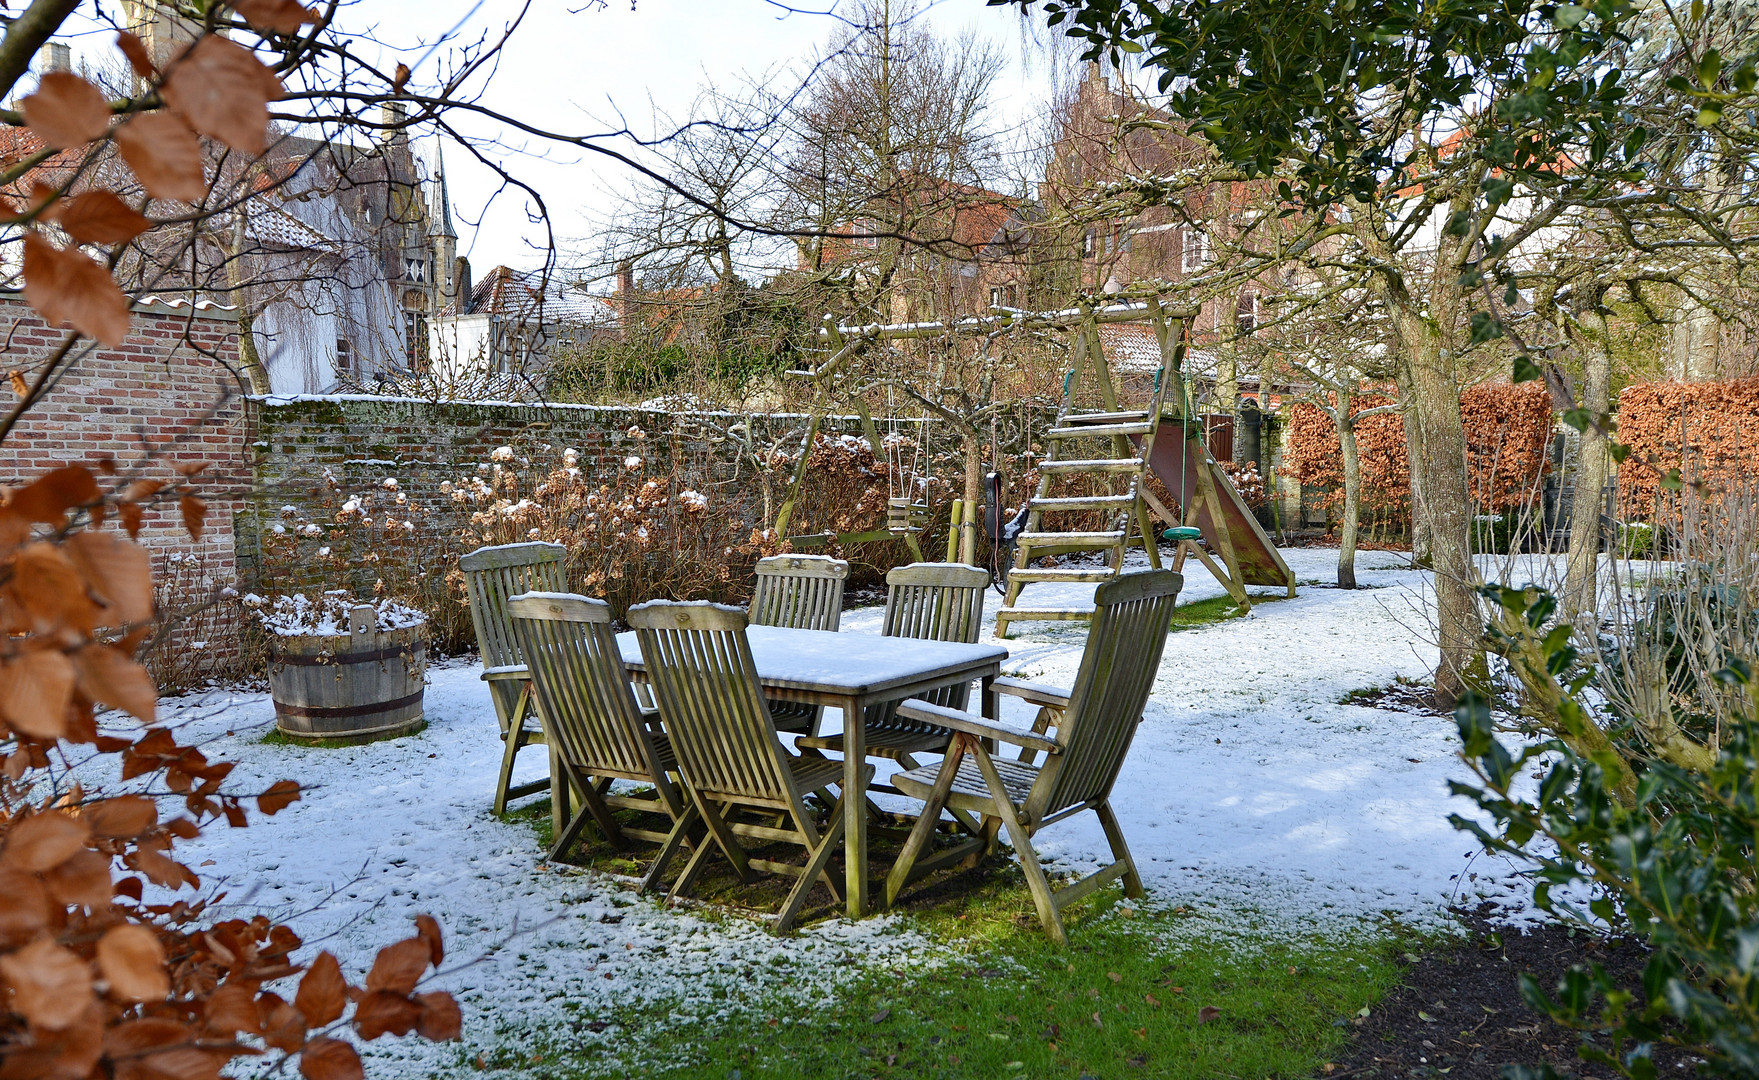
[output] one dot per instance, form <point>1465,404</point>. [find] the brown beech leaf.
<point>384,1012</point>
<point>283,1026</point>
<point>280,795</point>
<point>441,1019</point>
<point>20,387</point>
<point>161,870</point>
<point>399,966</point>
<point>194,512</point>
<point>34,690</point>
<point>160,1048</point>
<point>109,675</point>
<point>43,841</point>
<point>131,519</point>
<point>330,1059</point>
<point>51,986</point>
<point>1208,1013</point>
<point>122,817</point>
<point>118,571</point>
<point>136,51</point>
<point>133,960</point>
<point>68,287</point>
<point>49,497</point>
<point>83,879</point>
<point>323,993</point>
<point>25,914</point>
<point>47,587</point>
<point>224,91</point>
<point>99,217</point>
<point>428,929</point>
<point>66,110</point>
<point>275,16</point>
<point>165,155</point>
<point>232,1008</point>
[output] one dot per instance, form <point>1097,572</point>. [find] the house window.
<point>1088,242</point>
<point>415,269</point>
<point>344,356</point>
<point>1196,250</point>
<point>415,340</point>
<point>1246,313</point>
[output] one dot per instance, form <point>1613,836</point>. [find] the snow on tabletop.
<point>1250,794</point>
<point>299,615</point>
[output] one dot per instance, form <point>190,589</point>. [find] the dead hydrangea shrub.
<point>102,977</point>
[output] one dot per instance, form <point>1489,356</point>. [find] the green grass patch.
<point>1140,991</point>
<point>1214,609</point>
<point>276,737</point>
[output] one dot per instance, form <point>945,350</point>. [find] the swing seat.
<point>1182,532</point>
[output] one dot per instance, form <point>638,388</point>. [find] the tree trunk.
<point>1414,453</point>
<point>1438,472</point>
<point>1352,494</point>
<point>973,491</point>
<point>1581,578</point>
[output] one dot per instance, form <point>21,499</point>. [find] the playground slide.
<point>1179,464</point>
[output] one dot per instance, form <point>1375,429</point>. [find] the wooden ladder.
<point>1128,510</point>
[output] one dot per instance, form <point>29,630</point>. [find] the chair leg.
<point>1115,837</point>
<point>674,840</point>
<point>1022,841</point>
<point>687,880</point>
<point>925,823</point>
<point>724,838</point>
<point>595,807</point>
<point>509,751</point>
<point>815,868</point>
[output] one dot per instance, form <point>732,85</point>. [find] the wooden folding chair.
<point>729,755</point>
<point>1094,725</point>
<point>491,576</point>
<point>591,718</point>
<point>928,601</point>
<point>802,592</point>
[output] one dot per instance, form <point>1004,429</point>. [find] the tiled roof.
<point>505,291</point>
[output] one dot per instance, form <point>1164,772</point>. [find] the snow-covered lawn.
<point>1251,792</point>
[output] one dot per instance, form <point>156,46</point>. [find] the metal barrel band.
<point>342,711</point>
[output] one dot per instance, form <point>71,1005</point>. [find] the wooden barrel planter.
<point>350,687</point>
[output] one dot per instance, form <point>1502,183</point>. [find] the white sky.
<point>603,68</point>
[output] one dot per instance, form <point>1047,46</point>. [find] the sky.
<point>575,66</point>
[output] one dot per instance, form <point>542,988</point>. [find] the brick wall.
<point>166,397</point>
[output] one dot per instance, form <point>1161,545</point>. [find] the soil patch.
<point>1458,1011</point>
<point>1400,697</point>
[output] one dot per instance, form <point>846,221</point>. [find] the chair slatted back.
<point>937,602</point>
<point>1132,616</point>
<point>699,662</point>
<point>494,575</point>
<point>582,686</point>
<point>802,592</point>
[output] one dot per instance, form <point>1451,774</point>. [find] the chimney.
<point>392,115</point>
<point>56,56</point>
<point>461,286</point>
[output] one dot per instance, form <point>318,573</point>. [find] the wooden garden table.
<point>850,672</point>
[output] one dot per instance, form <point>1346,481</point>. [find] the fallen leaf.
<point>1425,1017</point>
<point>880,1017</point>
<point>164,154</point>
<point>133,962</point>
<point>1114,976</point>
<point>69,288</point>
<point>1152,1000</point>
<point>280,795</point>
<point>1208,1013</point>
<point>224,91</point>
<point>66,110</point>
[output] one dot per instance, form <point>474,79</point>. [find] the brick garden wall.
<point>167,396</point>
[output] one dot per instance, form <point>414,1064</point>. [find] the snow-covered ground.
<point>1251,792</point>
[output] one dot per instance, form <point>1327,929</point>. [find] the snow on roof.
<point>531,294</point>
<point>1130,347</point>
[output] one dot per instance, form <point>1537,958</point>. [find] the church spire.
<point>440,211</point>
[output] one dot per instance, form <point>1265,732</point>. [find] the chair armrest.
<point>917,709</point>
<point>1036,692</point>
<point>510,671</point>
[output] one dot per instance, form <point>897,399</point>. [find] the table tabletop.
<point>849,672</point>
<point>846,665</point>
